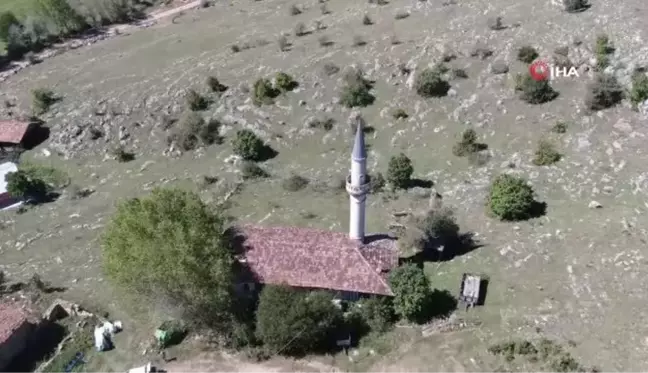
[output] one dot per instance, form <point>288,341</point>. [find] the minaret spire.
<point>358,184</point>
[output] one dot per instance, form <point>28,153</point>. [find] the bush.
<point>534,91</point>
<point>639,91</point>
<point>181,243</point>
<point>294,183</point>
<point>195,101</point>
<point>412,291</point>
<point>510,198</point>
<point>248,145</point>
<point>263,92</point>
<point>468,144</point>
<point>251,170</point>
<point>192,130</point>
<point>436,228</point>
<point>495,23</point>
<point>603,92</point>
<point>366,20</point>
<point>42,100</point>
<point>574,6</point>
<point>323,124</point>
<point>24,186</point>
<point>377,313</point>
<point>295,322</point>
<point>17,42</point>
<point>294,10</point>
<point>376,183</point>
<point>429,83</point>
<point>400,114</point>
<point>7,19</point>
<point>527,54</point>
<point>399,171</point>
<point>330,69</point>
<point>215,85</point>
<point>356,93</point>
<point>285,82</point>
<point>559,127</point>
<point>546,154</point>
<point>65,18</point>
<point>122,155</point>
<point>300,29</point>
<point>602,49</point>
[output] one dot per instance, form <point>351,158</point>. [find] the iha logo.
<point>540,70</point>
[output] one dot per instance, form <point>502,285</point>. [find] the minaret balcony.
<point>357,190</point>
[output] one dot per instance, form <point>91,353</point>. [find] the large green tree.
<point>292,321</point>
<point>170,245</point>
<point>21,185</point>
<point>412,292</point>
<point>399,171</point>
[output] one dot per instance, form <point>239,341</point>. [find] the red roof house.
<point>318,259</point>
<point>14,332</point>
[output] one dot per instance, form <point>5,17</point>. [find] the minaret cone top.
<point>359,151</point>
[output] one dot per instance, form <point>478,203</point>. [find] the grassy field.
<point>575,274</point>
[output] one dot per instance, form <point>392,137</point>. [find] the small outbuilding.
<point>15,330</point>
<point>14,132</point>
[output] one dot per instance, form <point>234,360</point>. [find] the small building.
<point>13,133</point>
<point>15,330</point>
<point>6,200</point>
<point>352,265</point>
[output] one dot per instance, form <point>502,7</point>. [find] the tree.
<point>21,185</point>
<point>294,322</point>
<point>377,313</point>
<point>429,83</point>
<point>248,145</point>
<point>64,17</point>
<point>412,292</point>
<point>510,198</point>
<point>171,246</point>
<point>7,19</point>
<point>534,91</point>
<point>399,171</point>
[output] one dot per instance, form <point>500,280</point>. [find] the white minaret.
<point>358,185</point>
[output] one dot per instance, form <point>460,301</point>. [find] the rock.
<point>594,205</point>
<point>302,103</point>
<point>55,312</point>
<point>623,126</point>
<point>499,67</point>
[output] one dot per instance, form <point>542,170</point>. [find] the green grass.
<point>50,175</point>
<point>81,341</point>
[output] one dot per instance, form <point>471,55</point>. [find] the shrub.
<point>527,54</point>
<point>356,93</point>
<point>399,171</point>
<point>24,186</point>
<point>574,6</point>
<point>17,42</point>
<point>459,73</point>
<point>510,198</point>
<point>534,91</point>
<point>468,144</point>
<point>602,49</point>
<point>42,100</point>
<point>263,92</point>
<point>331,69</point>
<point>436,228</point>
<point>400,114</point>
<point>325,124</point>
<point>412,291</point>
<point>401,15</point>
<point>366,20</point>
<point>215,85</point>
<point>294,183</point>
<point>376,183</point>
<point>294,322</point>
<point>495,23</point>
<point>294,10</point>
<point>429,83</point>
<point>559,127</point>
<point>248,145</point>
<point>603,92</point>
<point>7,19</point>
<point>251,170</point>
<point>121,155</point>
<point>181,243</point>
<point>358,41</point>
<point>377,313</point>
<point>639,91</point>
<point>195,101</point>
<point>546,154</point>
<point>193,131</point>
<point>300,29</point>
<point>324,9</point>
<point>283,43</point>
<point>285,82</point>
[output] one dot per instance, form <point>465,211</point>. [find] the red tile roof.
<point>12,317</point>
<point>312,258</point>
<point>13,131</point>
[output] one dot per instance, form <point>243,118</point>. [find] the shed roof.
<point>12,317</point>
<point>13,131</point>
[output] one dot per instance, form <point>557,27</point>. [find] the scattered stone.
<point>595,205</point>
<point>499,67</point>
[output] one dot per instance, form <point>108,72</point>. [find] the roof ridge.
<point>373,270</point>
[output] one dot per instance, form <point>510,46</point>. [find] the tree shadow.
<point>538,209</point>
<point>420,183</point>
<point>581,9</point>
<point>438,251</point>
<point>439,304</point>
<point>267,153</point>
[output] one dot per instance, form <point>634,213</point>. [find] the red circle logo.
<point>539,71</point>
